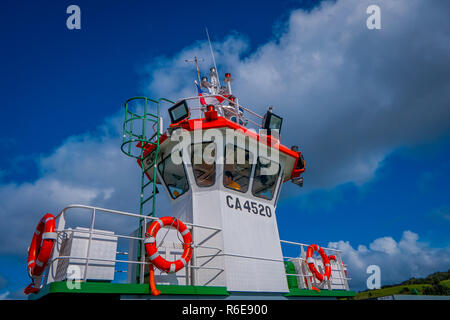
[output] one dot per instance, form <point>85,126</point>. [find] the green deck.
<point>143,289</point>
<point>126,288</point>
<point>322,293</point>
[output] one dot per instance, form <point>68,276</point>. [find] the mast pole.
<point>196,67</point>
<point>198,70</point>
<point>212,54</point>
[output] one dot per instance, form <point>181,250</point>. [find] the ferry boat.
<point>222,165</point>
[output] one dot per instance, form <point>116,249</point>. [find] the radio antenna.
<point>212,55</point>
<point>196,61</point>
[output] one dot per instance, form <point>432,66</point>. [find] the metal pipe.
<point>306,245</point>
<point>79,206</point>
<point>125,261</point>
<point>225,98</point>
<point>89,245</point>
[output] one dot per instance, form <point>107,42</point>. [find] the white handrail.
<point>225,98</point>
<point>92,233</point>
<point>81,206</point>
<point>307,245</point>
<point>61,217</point>
<point>309,277</point>
<point>234,111</point>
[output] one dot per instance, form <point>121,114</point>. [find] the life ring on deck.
<point>152,251</point>
<point>331,257</point>
<point>40,249</point>
<point>312,267</point>
<point>41,245</point>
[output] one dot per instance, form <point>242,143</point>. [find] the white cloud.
<point>88,169</point>
<point>362,248</point>
<point>385,244</point>
<point>4,295</point>
<point>398,261</point>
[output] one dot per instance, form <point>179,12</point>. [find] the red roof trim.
<point>221,122</point>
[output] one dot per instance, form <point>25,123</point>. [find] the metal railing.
<point>92,232</point>
<point>62,231</point>
<point>307,278</point>
<point>234,111</point>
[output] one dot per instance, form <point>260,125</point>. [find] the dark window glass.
<point>266,177</point>
<point>237,168</point>
<point>174,177</point>
<point>203,163</point>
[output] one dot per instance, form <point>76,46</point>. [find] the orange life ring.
<point>331,257</point>
<point>152,251</point>
<point>41,248</point>
<point>312,267</point>
<point>41,245</point>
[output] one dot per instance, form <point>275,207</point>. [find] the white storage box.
<point>75,244</point>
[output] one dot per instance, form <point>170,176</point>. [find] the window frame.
<point>164,181</point>
<point>215,163</point>
<point>274,195</point>
<point>278,185</point>
<point>250,181</point>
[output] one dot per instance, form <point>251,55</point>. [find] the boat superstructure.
<point>222,166</point>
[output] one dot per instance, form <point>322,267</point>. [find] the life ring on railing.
<point>312,267</point>
<point>152,251</point>
<point>40,249</point>
<point>332,257</point>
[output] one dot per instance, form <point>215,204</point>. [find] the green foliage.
<point>437,289</point>
<point>446,283</point>
<point>434,278</point>
<point>437,283</point>
<point>404,290</point>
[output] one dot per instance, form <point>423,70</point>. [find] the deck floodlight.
<point>179,111</point>
<point>272,122</point>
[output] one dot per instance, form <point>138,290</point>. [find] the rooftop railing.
<point>234,109</point>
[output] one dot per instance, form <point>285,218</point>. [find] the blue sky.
<point>67,82</point>
<point>409,192</point>
<point>370,109</point>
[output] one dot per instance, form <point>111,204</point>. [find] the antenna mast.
<point>212,54</point>
<point>196,65</point>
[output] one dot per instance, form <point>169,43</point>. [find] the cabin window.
<point>266,177</point>
<point>237,168</point>
<point>203,161</point>
<point>174,176</point>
